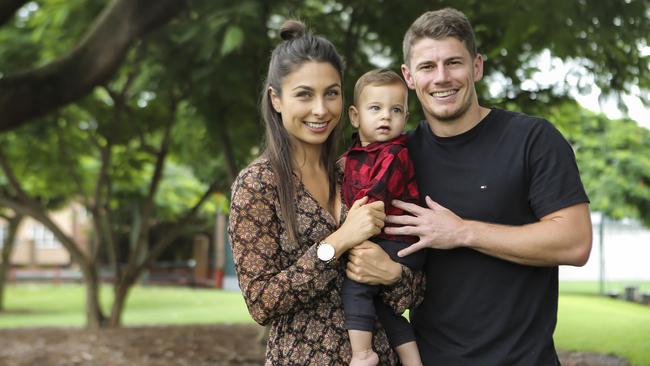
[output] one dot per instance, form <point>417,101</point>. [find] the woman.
<point>286,211</point>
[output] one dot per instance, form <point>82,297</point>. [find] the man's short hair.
<point>439,24</point>
<point>377,77</point>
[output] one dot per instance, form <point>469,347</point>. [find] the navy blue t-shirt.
<point>510,169</point>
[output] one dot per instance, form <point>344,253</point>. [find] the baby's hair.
<point>376,77</point>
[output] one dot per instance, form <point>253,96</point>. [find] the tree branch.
<point>143,230</point>
<point>228,152</point>
<point>29,94</point>
<point>11,177</point>
<point>67,158</point>
<point>39,214</point>
<point>174,232</point>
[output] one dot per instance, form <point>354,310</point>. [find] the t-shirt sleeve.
<point>552,171</point>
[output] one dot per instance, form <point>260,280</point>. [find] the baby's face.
<point>381,112</point>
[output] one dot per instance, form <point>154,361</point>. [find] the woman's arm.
<point>273,286</point>
<point>270,287</point>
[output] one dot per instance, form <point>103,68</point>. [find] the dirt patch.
<point>591,359</point>
<point>133,346</point>
<point>217,345</point>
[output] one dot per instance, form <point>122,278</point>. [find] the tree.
<point>98,55</point>
<point>13,222</point>
<point>614,160</point>
<point>118,179</point>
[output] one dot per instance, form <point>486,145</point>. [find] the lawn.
<point>62,305</point>
<point>586,322</point>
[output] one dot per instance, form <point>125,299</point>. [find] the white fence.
<point>626,249</point>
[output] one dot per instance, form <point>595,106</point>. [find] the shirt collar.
<point>356,145</point>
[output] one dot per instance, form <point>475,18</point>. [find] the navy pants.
<point>362,306</point>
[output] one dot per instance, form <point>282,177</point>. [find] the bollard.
<point>645,298</point>
<point>630,293</point>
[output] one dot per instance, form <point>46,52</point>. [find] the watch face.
<point>325,252</point>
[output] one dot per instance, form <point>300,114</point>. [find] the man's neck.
<point>458,126</point>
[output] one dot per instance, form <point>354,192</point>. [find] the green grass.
<point>603,325</point>
<point>62,305</point>
<point>593,287</point>
<point>586,322</point>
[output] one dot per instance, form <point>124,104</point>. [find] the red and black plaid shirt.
<point>382,171</point>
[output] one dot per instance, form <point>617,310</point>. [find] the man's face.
<point>442,72</point>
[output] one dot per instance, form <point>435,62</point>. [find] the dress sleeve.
<point>406,293</point>
<point>271,283</point>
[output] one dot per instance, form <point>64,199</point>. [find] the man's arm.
<point>561,237</point>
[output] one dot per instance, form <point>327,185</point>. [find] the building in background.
<point>36,247</point>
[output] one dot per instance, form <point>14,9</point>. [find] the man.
<point>503,207</point>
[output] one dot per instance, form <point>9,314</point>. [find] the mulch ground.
<point>165,346</point>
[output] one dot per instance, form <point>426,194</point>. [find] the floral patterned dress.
<point>287,286</point>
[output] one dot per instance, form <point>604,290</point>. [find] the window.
<point>43,238</point>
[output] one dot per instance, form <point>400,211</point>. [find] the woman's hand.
<point>368,263</point>
<point>364,220</point>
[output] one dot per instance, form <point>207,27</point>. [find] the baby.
<point>378,166</point>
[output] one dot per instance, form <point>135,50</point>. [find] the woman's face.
<point>311,103</point>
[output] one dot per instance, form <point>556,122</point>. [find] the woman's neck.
<point>307,157</point>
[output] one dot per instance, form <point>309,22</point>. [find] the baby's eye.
<point>397,110</point>
<point>374,108</point>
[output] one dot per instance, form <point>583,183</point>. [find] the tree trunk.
<point>94,316</point>
<point>7,248</point>
<point>121,291</point>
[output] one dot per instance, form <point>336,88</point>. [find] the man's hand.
<point>436,226</point>
<point>368,263</point>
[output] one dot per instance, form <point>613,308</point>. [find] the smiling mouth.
<point>316,125</point>
<point>442,94</point>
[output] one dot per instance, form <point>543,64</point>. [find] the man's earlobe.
<point>478,67</point>
<point>407,77</point>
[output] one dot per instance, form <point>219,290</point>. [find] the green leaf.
<point>232,39</point>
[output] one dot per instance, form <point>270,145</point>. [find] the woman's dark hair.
<point>298,47</point>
